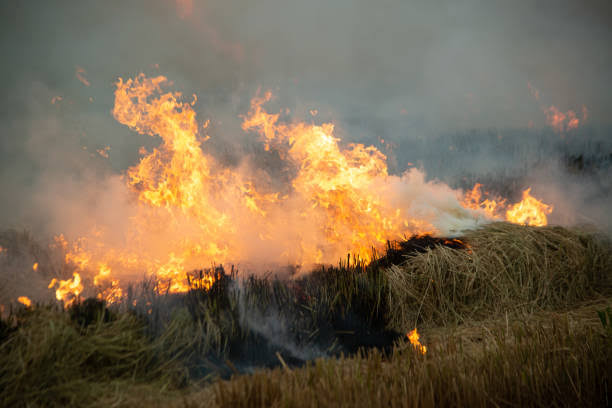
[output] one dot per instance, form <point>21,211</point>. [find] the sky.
<point>400,70</point>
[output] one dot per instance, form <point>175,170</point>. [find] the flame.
<point>558,120</point>
<point>108,288</point>
<point>187,210</point>
<point>68,290</point>
<point>529,211</point>
<point>35,266</point>
<point>104,151</point>
<point>474,199</point>
<point>344,189</point>
<point>561,121</point>
<point>413,336</point>
<point>24,300</point>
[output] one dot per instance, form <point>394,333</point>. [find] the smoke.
<point>446,87</point>
<point>276,326</point>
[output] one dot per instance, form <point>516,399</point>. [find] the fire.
<point>35,266</point>
<point>108,288</point>
<point>414,337</point>
<point>555,118</point>
<point>562,121</point>
<point>187,210</point>
<point>104,152</point>
<point>474,199</point>
<point>24,300</point>
<point>68,290</point>
<point>343,189</point>
<point>191,211</point>
<point>530,211</point>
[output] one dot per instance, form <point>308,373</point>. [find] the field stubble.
<point>508,313</point>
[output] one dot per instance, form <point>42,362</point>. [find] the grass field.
<point>510,315</point>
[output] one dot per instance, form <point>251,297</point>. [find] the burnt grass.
<point>353,313</point>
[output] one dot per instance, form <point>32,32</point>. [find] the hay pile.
<point>504,268</point>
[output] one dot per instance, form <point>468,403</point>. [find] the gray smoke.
<point>418,75</point>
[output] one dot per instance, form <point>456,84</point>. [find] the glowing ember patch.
<point>529,211</point>
<point>24,300</point>
<point>413,336</point>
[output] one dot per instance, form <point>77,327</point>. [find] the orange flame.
<point>343,188</point>
<point>68,290</point>
<point>529,211</point>
<point>24,300</point>
<point>474,199</point>
<point>187,209</point>
<point>414,337</point>
<point>35,266</point>
<point>558,120</point>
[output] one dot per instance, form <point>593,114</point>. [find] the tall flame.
<point>344,189</point>
<point>187,210</point>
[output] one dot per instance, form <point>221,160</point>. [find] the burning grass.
<point>159,346</point>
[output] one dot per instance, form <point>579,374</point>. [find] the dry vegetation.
<point>510,318</point>
<point>526,365</point>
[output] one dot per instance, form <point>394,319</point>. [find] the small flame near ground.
<point>414,337</point>
<point>24,300</point>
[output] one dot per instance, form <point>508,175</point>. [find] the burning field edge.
<point>508,315</point>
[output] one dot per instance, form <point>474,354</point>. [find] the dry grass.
<point>529,365</point>
<point>506,268</point>
<point>505,320</point>
<point>47,359</point>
